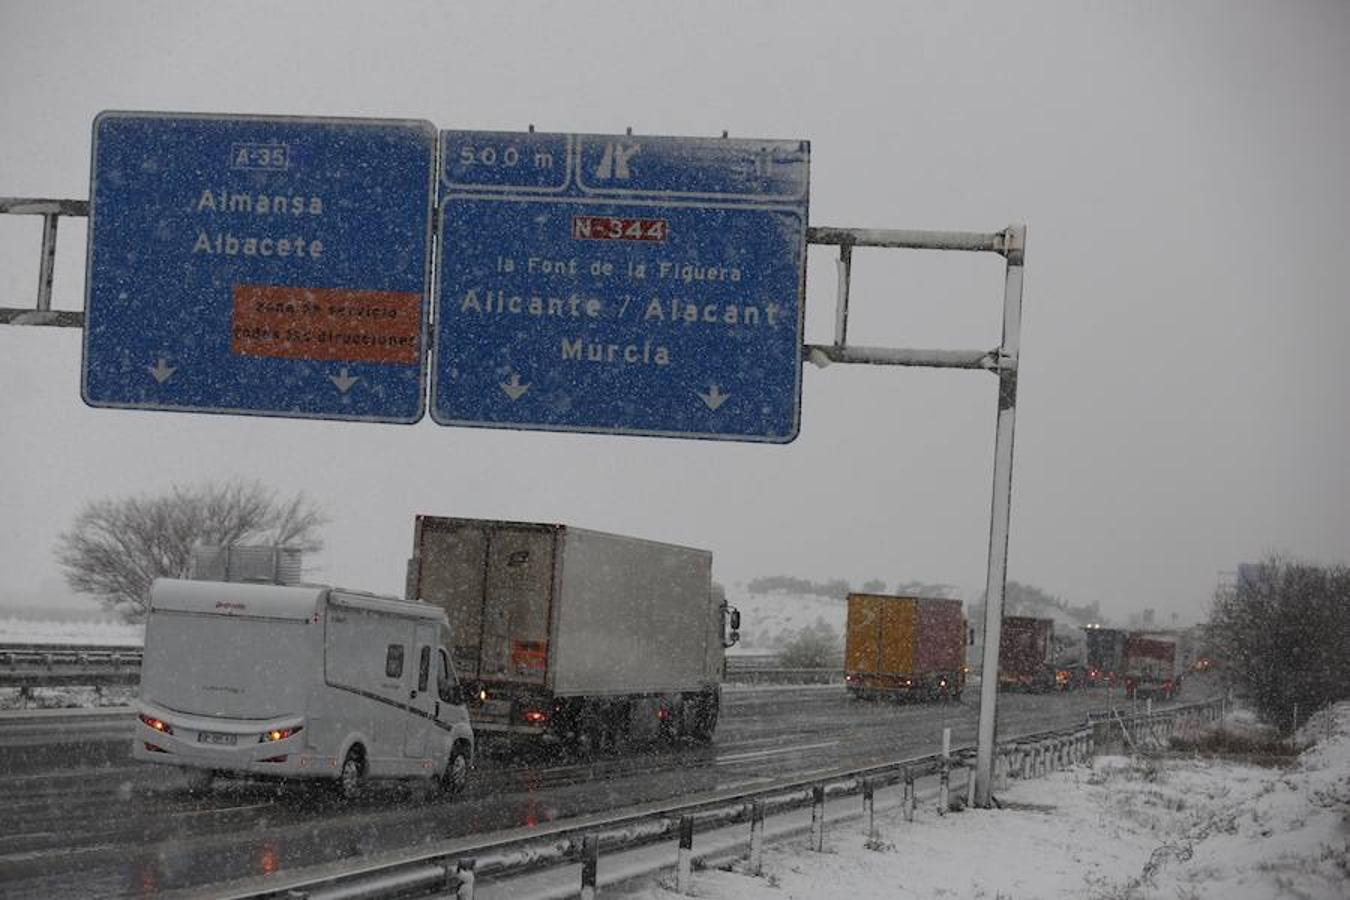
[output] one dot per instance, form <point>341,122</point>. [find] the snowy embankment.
<point>14,630</point>
<point>1124,828</point>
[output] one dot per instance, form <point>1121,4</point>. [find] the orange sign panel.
<point>327,323</point>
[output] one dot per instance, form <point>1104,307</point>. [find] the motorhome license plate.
<point>210,737</point>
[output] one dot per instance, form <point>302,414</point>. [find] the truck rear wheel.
<point>707,708</point>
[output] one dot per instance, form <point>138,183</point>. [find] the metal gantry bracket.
<point>1002,360</point>
<point>1009,243</point>
<point>51,212</point>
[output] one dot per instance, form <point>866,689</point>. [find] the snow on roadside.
<point>1122,829</point>
<point>14,630</point>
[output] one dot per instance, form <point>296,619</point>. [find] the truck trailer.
<point>901,647</point>
<point>566,635</point>
<point>1024,654</point>
<point>1150,665</point>
<point>1105,654</point>
<point>299,681</point>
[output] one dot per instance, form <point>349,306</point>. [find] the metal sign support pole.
<point>1000,513</point>
<point>1003,361</point>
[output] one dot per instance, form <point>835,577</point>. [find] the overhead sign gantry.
<point>621,284</point>
<point>259,265</point>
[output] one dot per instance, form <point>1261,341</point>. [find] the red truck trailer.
<point>1150,665</point>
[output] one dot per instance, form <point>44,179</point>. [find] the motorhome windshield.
<point>228,666</point>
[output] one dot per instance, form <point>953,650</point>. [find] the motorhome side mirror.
<point>735,621</point>
<point>970,639</point>
<point>452,694</point>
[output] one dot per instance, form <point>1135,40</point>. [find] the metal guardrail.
<point>58,665</point>
<point>455,872</point>
<point>43,665</point>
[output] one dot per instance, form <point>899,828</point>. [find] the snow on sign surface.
<point>621,284</point>
<point>232,265</point>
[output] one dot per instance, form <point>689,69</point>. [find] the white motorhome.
<point>300,681</point>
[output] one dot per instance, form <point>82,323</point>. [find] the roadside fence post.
<point>756,837</point>
<point>684,869</point>
<point>464,871</point>
<point>590,863</point>
<point>970,786</point>
<point>818,818</point>
<point>908,801</point>
<point>945,773</point>
<point>869,809</point>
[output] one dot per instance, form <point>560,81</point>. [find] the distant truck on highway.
<point>900,647</point>
<point>1105,654</point>
<point>1151,669</point>
<point>1024,654</point>
<point>575,636</point>
<point>299,681</point>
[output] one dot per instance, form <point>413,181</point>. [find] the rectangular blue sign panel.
<point>259,265</point>
<point>621,284</point>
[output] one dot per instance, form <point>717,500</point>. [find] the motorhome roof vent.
<point>249,563</point>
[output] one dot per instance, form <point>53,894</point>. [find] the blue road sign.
<point>259,265</point>
<point>621,284</point>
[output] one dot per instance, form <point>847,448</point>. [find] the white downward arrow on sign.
<point>714,398</point>
<point>344,381</point>
<point>162,370</point>
<point>513,388</point>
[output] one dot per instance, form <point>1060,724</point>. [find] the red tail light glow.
<point>535,716</point>
<point>278,734</point>
<point>158,724</point>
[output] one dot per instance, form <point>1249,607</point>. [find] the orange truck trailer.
<point>901,647</point>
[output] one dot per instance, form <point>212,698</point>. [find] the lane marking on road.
<point>760,754</point>
<point>219,809</point>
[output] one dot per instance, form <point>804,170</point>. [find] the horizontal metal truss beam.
<point>1008,242</point>
<point>989,360</point>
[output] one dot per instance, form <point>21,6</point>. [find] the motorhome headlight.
<point>158,724</point>
<point>278,734</point>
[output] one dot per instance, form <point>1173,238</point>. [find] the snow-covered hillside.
<point>768,620</point>
<point>14,630</point>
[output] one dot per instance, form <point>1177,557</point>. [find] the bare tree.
<point>1282,634</point>
<point>117,547</point>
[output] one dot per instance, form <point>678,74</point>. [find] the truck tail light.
<point>534,716</point>
<point>158,724</point>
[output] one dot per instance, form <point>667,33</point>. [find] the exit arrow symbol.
<point>162,371</point>
<point>714,398</point>
<point>344,381</point>
<point>513,388</point>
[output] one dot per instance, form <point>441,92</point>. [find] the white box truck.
<point>299,681</point>
<point>565,634</point>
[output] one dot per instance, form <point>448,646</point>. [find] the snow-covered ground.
<point>16,630</point>
<point>1122,829</point>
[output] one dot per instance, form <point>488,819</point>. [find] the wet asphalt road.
<point>82,820</point>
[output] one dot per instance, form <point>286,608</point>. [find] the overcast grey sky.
<point>1182,170</point>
